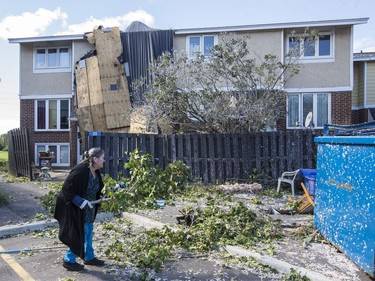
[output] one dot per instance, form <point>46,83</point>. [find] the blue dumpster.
<point>344,209</point>
<point>309,180</point>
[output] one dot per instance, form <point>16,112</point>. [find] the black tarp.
<point>141,45</point>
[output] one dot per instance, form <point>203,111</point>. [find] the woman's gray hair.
<point>88,156</point>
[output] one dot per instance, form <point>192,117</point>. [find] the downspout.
<point>365,84</point>
<point>351,60</point>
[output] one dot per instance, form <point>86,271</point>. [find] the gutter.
<point>255,27</point>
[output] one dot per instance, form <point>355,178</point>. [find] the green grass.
<point>4,155</point>
<point>3,198</point>
<point>3,161</point>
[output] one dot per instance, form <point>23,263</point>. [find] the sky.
<point>25,18</point>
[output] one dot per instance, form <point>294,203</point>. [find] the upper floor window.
<point>201,44</point>
<point>312,48</point>
<point>299,105</point>
<point>52,114</point>
<point>52,59</point>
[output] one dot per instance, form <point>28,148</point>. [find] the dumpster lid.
<point>347,140</point>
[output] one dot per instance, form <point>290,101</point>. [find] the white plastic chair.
<point>287,177</point>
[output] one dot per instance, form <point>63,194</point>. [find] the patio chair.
<point>287,177</point>
<point>306,200</point>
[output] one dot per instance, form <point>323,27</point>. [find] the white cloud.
<point>30,24</point>
<point>34,24</point>
<point>365,44</point>
<point>121,21</point>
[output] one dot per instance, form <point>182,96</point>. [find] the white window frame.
<point>46,68</point>
<point>301,121</point>
<point>57,155</point>
<point>47,117</point>
<point>316,57</point>
<point>201,46</point>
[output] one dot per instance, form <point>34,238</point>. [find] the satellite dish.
<point>308,119</point>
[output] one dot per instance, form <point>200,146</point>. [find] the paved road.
<point>41,265</point>
<point>47,264</point>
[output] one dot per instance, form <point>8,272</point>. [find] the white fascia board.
<point>48,96</point>
<point>47,38</point>
<point>363,107</point>
<point>272,26</point>
<point>319,90</point>
<point>364,59</point>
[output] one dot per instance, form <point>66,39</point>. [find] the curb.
<point>279,265</point>
<point>26,227</point>
<point>145,222</point>
<point>39,225</point>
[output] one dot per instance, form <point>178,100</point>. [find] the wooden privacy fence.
<point>213,158</point>
<point>19,153</point>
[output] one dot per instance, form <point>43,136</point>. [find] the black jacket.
<point>70,216</point>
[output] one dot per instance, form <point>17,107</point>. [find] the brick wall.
<point>27,120</point>
<point>360,116</point>
<point>341,108</point>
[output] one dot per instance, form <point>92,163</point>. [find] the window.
<point>60,151</point>
<point>52,114</point>
<point>312,48</point>
<point>201,44</point>
<point>299,105</point>
<point>52,60</point>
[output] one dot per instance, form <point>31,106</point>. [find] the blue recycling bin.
<point>309,180</point>
<point>344,210</point>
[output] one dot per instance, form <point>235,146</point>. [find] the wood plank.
<point>204,160</point>
<point>265,156</point>
<point>274,159</point>
<point>211,156</point>
<point>196,168</point>
<point>228,157</point>
<point>180,147</point>
<point>236,156</point>
<point>93,81</point>
<point>85,119</point>
<point>98,118</point>
<point>172,148</point>
<point>82,88</point>
<point>220,158</point>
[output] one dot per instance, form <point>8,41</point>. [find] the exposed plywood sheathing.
<point>93,80</point>
<point>84,118</point>
<point>83,99</point>
<point>102,88</point>
<point>98,117</point>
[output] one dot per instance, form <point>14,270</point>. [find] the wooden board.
<point>102,83</point>
<point>83,97</point>
<point>98,118</point>
<point>84,119</point>
<point>108,46</point>
<point>94,81</point>
<point>116,103</point>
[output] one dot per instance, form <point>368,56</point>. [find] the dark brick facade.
<point>27,121</point>
<point>341,108</point>
<point>360,116</point>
